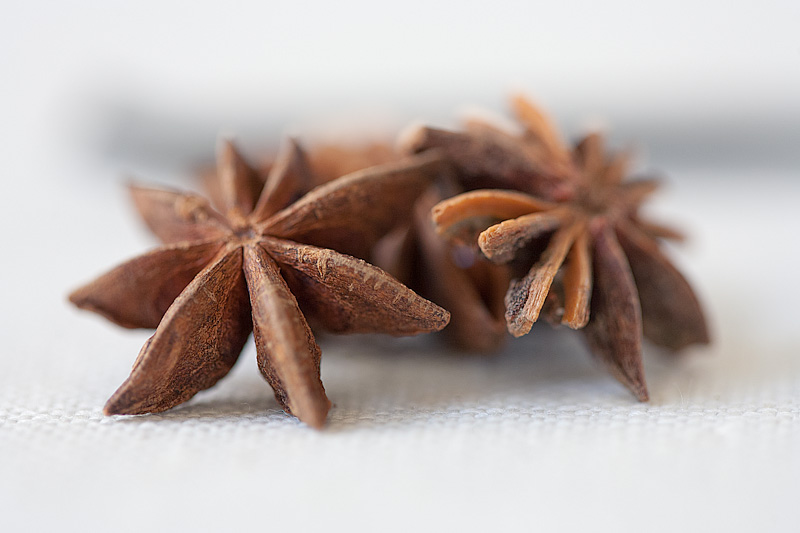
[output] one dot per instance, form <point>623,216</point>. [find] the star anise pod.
<point>252,267</point>
<point>596,263</point>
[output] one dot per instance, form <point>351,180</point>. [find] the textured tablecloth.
<point>538,437</point>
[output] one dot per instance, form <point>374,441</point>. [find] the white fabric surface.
<point>538,437</point>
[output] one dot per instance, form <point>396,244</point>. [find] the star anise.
<point>596,263</point>
<point>252,267</point>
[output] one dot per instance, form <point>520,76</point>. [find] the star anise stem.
<point>578,284</point>
<point>525,297</point>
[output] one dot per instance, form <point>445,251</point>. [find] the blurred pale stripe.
<point>706,82</point>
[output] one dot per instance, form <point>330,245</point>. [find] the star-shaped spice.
<point>596,264</point>
<point>252,266</point>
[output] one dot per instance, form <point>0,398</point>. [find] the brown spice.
<point>596,264</point>
<point>253,265</point>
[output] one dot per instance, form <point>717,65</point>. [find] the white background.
<point>538,437</point>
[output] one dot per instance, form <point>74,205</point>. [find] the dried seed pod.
<point>252,266</point>
<point>601,269</point>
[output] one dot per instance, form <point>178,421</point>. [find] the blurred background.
<point>704,82</point>
<point>95,93</point>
